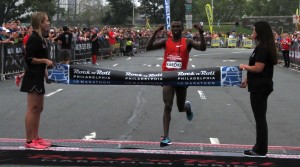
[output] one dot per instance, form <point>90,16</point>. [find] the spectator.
<point>3,38</point>
<point>95,45</point>
<point>285,48</point>
<point>112,41</point>
<point>66,44</point>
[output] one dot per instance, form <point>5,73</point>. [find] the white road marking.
<point>295,70</point>
<point>214,141</point>
<point>52,93</point>
<point>90,136</point>
<point>149,65</point>
<point>115,65</point>
<point>159,58</point>
<point>128,58</point>
<point>190,59</point>
<point>193,66</point>
<point>230,60</point>
<point>202,95</point>
<point>207,54</point>
<point>157,65</point>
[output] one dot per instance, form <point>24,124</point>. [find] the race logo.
<point>231,76</point>
<point>59,73</point>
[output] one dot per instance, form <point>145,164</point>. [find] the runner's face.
<point>176,28</point>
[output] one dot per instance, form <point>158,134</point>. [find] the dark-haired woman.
<point>260,83</point>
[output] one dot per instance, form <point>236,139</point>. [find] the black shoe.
<point>188,109</point>
<point>48,81</point>
<point>250,153</point>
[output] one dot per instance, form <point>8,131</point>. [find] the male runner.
<point>176,57</point>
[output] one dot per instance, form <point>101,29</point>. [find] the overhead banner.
<point>86,75</point>
<point>209,16</point>
<point>167,14</point>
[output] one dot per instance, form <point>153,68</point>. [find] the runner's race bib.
<point>174,62</point>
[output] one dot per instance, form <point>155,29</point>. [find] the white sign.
<point>188,17</point>
<point>296,19</point>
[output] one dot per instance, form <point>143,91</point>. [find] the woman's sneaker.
<point>165,141</point>
<point>34,145</point>
<point>43,142</point>
<point>188,109</point>
<point>251,153</point>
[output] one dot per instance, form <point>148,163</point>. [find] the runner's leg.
<point>181,98</point>
<point>168,96</point>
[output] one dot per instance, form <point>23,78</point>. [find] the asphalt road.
<point>221,114</point>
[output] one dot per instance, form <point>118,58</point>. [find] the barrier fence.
<point>222,42</point>
<point>12,59</point>
<point>294,56</point>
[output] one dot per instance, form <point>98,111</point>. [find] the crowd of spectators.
<point>13,32</point>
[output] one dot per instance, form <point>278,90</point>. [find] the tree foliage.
<point>152,9</point>
<point>271,8</point>
<point>91,12</point>
<point>121,10</point>
<point>9,10</point>
<point>14,9</point>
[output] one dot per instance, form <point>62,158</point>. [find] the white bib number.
<point>174,65</point>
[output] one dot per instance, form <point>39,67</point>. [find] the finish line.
<point>143,154</point>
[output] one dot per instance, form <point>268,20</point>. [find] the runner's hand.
<point>160,28</point>
<point>199,28</point>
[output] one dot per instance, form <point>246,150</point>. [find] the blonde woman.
<point>33,82</point>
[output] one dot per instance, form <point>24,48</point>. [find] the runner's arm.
<point>156,45</point>
<point>194,44</point>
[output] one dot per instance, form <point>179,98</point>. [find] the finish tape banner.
<point>84,75</point>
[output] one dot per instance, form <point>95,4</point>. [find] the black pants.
<point>259,107</point>
<point>286,57</point>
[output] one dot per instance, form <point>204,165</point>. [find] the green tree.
<point>177,10</point>
<point>152,9</point>
<point>13,9</point>
<point>224,10</point>
<point>271,8</point>
<point>120,12</point>
<point>91,12</point>
<point>9,10</point>
<point>47,6</point>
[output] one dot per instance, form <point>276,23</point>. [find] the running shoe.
<point>17,80</point>
<point>34,145</point>
<point>251,153</point>
<point>43,142</point>
<point>165,141</point>
<point>188,109</point>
